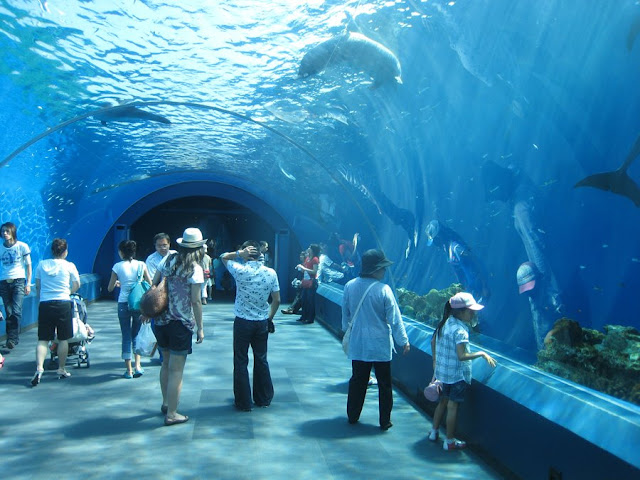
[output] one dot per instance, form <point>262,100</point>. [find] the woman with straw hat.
<point>174,329</point>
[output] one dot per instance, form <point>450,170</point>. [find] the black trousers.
<point>255,335</point>
<point>308,304</point>
<point>358,389</point>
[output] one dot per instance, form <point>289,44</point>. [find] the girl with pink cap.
<point>452,363</point>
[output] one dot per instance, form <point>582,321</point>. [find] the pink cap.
<point>464,300</point>
<point>526,276</point>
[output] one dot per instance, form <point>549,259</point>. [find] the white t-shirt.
<point>56,276</point>
<point>127,272</point>
<point>13,260</point>
<point>155,261</point>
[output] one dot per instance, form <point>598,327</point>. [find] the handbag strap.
<point>139,273</point>
<point>355,314</point>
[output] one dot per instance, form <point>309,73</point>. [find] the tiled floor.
<point>98,425</point>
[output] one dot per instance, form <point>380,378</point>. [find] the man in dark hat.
<point>371,308</point>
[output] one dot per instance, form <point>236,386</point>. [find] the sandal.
<point>62,373</point>
<point>36,378</point>
<point>175,421</point>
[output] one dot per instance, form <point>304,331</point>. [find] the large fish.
<point>617,181</point>
<point>357,51</point>
<point>128,113</point>
<point>634,30</point>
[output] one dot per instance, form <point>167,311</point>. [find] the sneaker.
<point>9,345</point>
<point>138,373</point>
<point>36,378</point>
<point>372,381</point>
<point>434,435</point>
<point>454,445</point>
<point>62,373</point>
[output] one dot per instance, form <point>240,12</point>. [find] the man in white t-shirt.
<point>156,260</point>
<point>162,242</point>
<point>15,279</point>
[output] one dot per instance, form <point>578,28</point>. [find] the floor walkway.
<point>98,425</point>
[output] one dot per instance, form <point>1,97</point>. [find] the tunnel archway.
<point>201,201</point>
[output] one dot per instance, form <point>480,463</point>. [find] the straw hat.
<point>191,238</point>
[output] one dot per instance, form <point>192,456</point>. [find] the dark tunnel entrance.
<point>224,221</point>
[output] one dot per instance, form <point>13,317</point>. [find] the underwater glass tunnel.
<point>489,146</point>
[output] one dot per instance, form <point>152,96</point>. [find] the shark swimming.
<point>618,181</point>
<point>128,113</point>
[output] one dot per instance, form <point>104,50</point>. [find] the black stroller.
<point>82,336</point>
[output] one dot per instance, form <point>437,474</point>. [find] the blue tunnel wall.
<point>545,92</point>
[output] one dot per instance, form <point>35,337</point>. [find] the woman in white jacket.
<point>371,306</point>
<point>56,280</point>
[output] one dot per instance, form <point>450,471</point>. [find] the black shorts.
<point>55,315</point>
<point>174,337</point>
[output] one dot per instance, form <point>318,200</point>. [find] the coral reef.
<point>426,308</point>
<point>608,362</point>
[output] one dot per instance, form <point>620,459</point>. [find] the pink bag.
<point>433,390</point>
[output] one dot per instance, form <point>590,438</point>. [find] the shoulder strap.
<point>355,314</point>
<point>140,272</point>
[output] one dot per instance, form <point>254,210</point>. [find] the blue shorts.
<point>174,337</point>
<point>454,391</point>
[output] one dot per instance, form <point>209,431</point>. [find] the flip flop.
<point>175,421</point>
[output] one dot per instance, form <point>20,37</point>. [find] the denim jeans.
<point>251,333</point>
<point>12,297</point>
<point>129,326</point>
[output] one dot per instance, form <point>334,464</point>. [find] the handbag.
<point>145,340</point>
<point>433,390</point>
<point>136,293</point>
<point>155,300</point>
<point>346,338</point>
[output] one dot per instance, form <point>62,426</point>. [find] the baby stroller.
<point>83,334</point>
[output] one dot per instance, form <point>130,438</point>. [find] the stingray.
<point>128,113</point>
<point>617,181</point>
